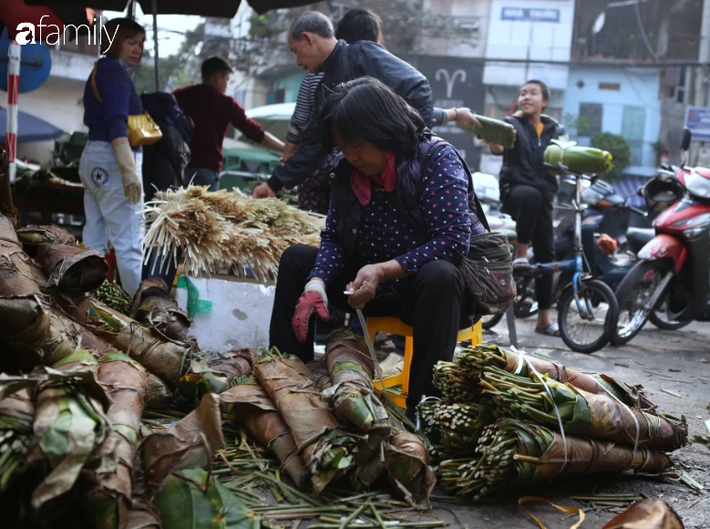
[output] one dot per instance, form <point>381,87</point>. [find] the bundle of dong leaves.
<point>584,160</point>
<point>495,130</point>
<point>508,420</point>
<point>110,417</point>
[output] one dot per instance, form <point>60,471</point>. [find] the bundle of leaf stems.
<point>454,383</point>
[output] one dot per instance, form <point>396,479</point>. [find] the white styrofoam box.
<point>240,316</point>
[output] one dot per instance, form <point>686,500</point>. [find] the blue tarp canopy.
<point>29,128</point>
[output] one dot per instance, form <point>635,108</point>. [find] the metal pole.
<point>154,8</point>
<point>701,73</point>
<point>13,94</point>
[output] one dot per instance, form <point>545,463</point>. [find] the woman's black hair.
<point>360,24</point>
<point>367,109</point>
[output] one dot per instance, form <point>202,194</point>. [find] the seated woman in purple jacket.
<point>401,216</point>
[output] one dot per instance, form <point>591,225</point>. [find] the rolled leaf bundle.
<point>157,394</point>
<point>495,130</point>
<point>190,443</point>
<point>407,465</point>
<point>460,426</point>
<point>514,453</point>
<point>577,158</point>
<point>168,361</point>
<point>352,393</point>
<point>319,374</point>
<point>193,502</point>
<point>153,306</point>
<point>69,425</point>
<point>114,296</point>
<point>32,236</point>
<point>327,451</point>
<point>71,268</point>
<point>17,413</point>
<point>582,413</point>
<point>454,383</point>
<point>250,406</point>
<point>143,515</point>
<point>110,470</point>
<point>213,374</point>
<point>473,360</point>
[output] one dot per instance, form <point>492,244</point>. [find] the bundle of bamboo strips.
<point>225,229</point>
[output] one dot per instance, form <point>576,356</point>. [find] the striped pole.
<point>13,94</point>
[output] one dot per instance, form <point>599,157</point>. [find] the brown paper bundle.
<point>190,443</point>
<point>250,406</point>
<point>32,236</point>
<point>545,402</point>
<point>474,359</point>
<point>515,453</point>
<point>168,361</point>
<point>407,464</point>
<point>352,395</point>
<point>153,306</point>
<point>71,268</point>
<point>326,450</point>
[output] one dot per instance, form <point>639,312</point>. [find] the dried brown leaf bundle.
<point>191,443</point>
<point>32,236</point>
<point>154,307</point>
<point>250,406</point>
<point>71,268</point>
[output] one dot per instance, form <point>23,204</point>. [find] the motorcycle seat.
<point>639,237</point>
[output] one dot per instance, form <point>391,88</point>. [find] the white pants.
<point>110,219</point>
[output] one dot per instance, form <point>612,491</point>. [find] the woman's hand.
<point>365,285</point>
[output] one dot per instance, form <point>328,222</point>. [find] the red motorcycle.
<point>675,264</point>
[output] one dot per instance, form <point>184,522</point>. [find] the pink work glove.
<point>313,300</point>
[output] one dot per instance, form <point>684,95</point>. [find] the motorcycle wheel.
<point>659,318</point>
<point>589,332</point>
<point>632,293</point>
<point>488,322</point>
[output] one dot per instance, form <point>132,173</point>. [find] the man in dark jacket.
<point>312,39</point>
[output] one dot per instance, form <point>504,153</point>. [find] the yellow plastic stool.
<point>395,326</point>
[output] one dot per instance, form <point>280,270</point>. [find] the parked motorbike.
<point>674,264</point>
<point>606,264</point>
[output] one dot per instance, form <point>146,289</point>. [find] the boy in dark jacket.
<point>527,189</point>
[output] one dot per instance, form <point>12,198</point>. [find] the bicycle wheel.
<point>591,328</point>
<point>488,322</point>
